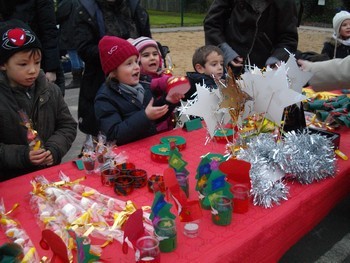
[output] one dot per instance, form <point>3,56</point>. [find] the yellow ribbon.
<point>121,217</point>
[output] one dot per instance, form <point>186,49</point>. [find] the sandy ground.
<point>183,44</point>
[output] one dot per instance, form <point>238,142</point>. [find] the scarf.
<point>136,92</point>
<point>345,42</point>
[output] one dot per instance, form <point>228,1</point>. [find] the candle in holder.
<point>191,229</point>
<point>139,176</point>
<point>240,198</point>
<point>147,250</point>
<point>108,176</point>
<point>156,183</point>
<point>183,181</point>
<point>165,230</point>
<point>123,185</point>
<point>89,163</point>
<point>221,209</point>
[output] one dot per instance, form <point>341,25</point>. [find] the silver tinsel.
<point>302,156</point>
<point>308,157</point>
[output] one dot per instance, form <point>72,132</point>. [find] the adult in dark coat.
<point>40,16</point>
<point>65,15</point>
<point>255,32</point>
<point>96,18</point>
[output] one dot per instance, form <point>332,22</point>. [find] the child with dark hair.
<point>208,63</point>
<point>125,110</point>
<point>36,127</point>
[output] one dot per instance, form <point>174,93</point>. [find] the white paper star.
<point>206,107</point>
<point>270,92</point>
<point>298,78</point>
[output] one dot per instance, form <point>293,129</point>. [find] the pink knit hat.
<point>143,42</point>
<point>114,51</point>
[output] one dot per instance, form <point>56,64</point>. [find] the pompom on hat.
<point>16,36</point>
<point>114,51</point>
<point>338,19</point>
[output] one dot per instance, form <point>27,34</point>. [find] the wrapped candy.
<point>17,235</point>
<point>82,210</point>
<point>32,135</point>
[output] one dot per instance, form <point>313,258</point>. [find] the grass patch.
<point>172,19</point>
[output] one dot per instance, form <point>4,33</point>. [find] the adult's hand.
<point>51,76</point>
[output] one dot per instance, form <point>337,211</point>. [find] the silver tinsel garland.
<point>302,156</point>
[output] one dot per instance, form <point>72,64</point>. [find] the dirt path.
<point>183,44</point>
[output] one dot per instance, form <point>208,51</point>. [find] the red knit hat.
<point>114,51</point>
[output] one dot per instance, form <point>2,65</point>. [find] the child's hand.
<point>174,97</point>
<point>49,159</point>
<point>154,113</point>
<point>37,157</point>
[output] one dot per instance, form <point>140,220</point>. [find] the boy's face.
<point>213,66</point>
<point>149,59</point>
<point>344,30</point>
<point>22,68</point>
<point>128,72</point>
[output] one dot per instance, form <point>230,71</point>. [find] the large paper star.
<point>271,92</point>
<point>298,78</point>
<point>233,98</point>
<point>206,107</point>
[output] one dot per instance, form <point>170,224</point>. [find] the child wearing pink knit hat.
<point>152,73</point>
<point>126,110</point>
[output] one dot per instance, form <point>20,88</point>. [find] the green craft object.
<point>322,115</point>
<point>165,230</point>
<point>194,124</point>
<point>176,161</point>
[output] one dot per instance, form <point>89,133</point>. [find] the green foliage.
<point>320,15</point>
<point>171,19</point>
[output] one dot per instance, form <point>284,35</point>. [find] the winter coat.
<point>340,52</point>
<point>38,14</point>
<point>258,29</point>
<point>65,15</point>
<point>122,118</point>
<point>329,75</point>
<point>199,78</point>
<point>90,29</point>
<point>50,116</point>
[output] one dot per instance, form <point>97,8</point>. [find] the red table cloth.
<point>260,235</point>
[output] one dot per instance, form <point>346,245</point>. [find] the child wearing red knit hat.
<point>125,110</point>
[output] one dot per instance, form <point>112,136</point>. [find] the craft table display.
<point>260,235</point>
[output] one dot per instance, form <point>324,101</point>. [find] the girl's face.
<point>213,66</point>
<point>149,60</point>
<point>22,68</point>
<point>344,30</point>
<point>128,72</point>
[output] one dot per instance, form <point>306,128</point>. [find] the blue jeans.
<point>75,60</point>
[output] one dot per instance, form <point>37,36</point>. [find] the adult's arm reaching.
<point>328,75</point>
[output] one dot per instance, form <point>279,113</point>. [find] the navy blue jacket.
<point>90,28</point>
<point>122,118</point>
